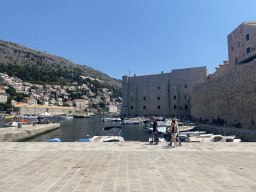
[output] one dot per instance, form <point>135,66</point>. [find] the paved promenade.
<point>123,167</point>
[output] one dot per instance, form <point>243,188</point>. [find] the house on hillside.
<point>3,97</point>
<point>30,101</point>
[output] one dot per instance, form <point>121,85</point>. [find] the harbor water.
<point>72,130</point>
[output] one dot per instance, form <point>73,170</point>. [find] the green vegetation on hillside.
<point>60,77</point>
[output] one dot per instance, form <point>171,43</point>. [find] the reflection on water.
<point>76,129</point>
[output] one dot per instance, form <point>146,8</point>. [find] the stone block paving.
<point>126,167</point>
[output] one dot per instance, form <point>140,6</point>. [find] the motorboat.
<point>54,140</point>
<point>213,138</point>
<point>109,134</point>
<point>9,117</point>
<point>115,119</point>
<point>16,123</point>
<point>132,121</point>
<point>65,116</point>
<point>91,114</point>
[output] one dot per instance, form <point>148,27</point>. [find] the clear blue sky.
<point>115,37</point>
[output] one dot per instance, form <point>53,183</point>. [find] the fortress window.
<point>144,107</point>
<point>158,98</point>
<point>131,89</point>
<point>158,107</point>
<point>144,98</point>
<point>248,50</point>
<point>158,88</point>
<point>131,98</point>
<point>174,107</point>
<point>185,86</point>
<point>238,44</point>
<point>174,97</point>
<point>247,37</point>
<point>186,107</point>
<point>131,107</point>
<point>186,96</point>
<point>232,48</point>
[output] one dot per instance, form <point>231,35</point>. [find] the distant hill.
<point>41,67</point>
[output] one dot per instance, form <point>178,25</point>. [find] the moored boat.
<point>16,123</point>
<point>109,134</point>
<point>54,140</point>
<point>213,138</point>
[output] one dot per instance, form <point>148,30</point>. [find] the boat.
<point>183,135</point>
<point>9,117</point>
<point>132,121</point>
<point>84,140</point>
<point>65,116</point>
<point>213,138</point>
<point>54,140</point>
<point>31,116</point>
<point>78,116</point>
<point>109,134</point>
<point>115,119</point>
<point>16,123</point>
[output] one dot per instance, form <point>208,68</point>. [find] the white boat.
<point>132,121</point>
<point>65,116</point>
<point>91,114</point>
<point>109,134</point>
<point>30,116</point>
<point>16,123</point>
<point>213,138</point>
<point>116,119</point>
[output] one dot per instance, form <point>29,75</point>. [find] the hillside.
<point>44,67</point>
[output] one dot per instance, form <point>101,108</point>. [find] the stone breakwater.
<point>11,134</point>
<point>247,135</point>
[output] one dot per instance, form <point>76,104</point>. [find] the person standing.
<point>154,132</point>
<point>174,133</point>
<point>177,132</point>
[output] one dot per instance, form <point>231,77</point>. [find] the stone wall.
<point>231,96</point>
<point>164,94</point>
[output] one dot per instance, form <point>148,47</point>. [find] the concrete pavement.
<point>129,166</point>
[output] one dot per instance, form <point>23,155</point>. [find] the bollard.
<point>19,125</point>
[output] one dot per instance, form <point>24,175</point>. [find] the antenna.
<point>129,72</point>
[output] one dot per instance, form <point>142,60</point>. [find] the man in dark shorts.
<point>154,132</point>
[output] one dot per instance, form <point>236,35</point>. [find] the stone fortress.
<point>228,93</point>
<point>163,94</point>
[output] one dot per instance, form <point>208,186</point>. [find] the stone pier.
<point>127,167</point>
<point>241,133</point>
<point>11,134</point>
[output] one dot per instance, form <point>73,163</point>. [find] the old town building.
<point>162,94</point>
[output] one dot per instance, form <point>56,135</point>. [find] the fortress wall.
<point>229,96</point>
<point>154,94</point>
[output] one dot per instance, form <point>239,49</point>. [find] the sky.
<point>127,37</point>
